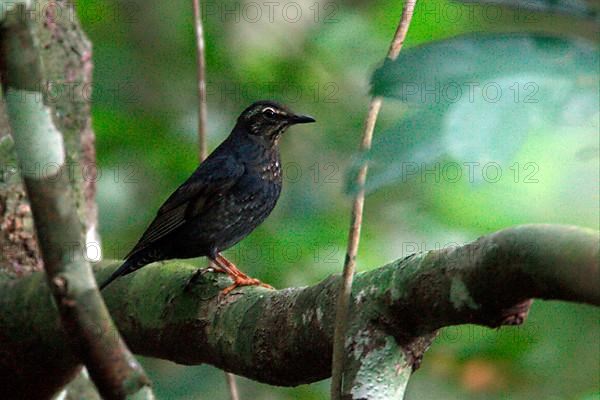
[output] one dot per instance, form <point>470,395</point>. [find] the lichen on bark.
<point>174,311</point>
<point>42,49</point>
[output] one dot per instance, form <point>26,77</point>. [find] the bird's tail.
<point>133,263</point>
<point>125,268</point>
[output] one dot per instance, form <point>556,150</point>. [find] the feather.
<point>193,197</point>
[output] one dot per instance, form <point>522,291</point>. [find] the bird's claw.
<point>239,281</point>
<point>266,285</point>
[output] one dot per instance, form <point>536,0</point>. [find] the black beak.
<point>301,119</point>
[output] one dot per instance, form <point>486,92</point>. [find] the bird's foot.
<point>239,278</point>
<point>244,281</point>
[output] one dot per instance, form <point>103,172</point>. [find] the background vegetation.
<point>318,58</point>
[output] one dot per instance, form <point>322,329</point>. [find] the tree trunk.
<point>48,158</point>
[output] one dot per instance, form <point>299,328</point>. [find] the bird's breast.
<point>271,172</point>
<point>263,181</point>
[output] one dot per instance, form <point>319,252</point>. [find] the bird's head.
<point>268,120</point>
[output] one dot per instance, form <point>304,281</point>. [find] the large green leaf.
<point>479,57</point>
<point>476,98</point>
<point>493,100</point>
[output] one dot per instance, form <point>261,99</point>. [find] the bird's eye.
<point>269,112</point>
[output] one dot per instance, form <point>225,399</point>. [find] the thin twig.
<point>202,113</point>
<point>202,118</point>
<point>232,385</point>
<point>341,320</point>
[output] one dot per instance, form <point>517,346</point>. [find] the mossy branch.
<point>40,144</point>
<point>283,337</point>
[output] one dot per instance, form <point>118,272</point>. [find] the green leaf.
<point>477,98</point>
<point>477,57</point>
<point>525,106</point>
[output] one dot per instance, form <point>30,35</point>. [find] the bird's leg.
<point>212,264</point>
<point>220,267</point>
<point>231,266</point>
<point>239,278</point>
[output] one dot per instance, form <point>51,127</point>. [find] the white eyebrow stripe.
<point>275,110</point>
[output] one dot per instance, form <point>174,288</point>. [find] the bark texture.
<point>45,58</point>
<point>283,337</point>
<point>65,54</point>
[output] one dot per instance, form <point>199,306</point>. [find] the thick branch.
<point>476,282</point>
<point>40,145</point>
<point>173,310</point>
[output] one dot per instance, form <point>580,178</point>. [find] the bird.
<point>228,196</point>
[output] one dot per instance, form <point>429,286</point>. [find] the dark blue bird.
<point>226,198</point>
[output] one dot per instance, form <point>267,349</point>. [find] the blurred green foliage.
<point>318,58</point>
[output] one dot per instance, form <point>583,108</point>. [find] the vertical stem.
<point>202,118</point>
<point>341,316</point>
<point>202,113</point>
<point>342,308</point>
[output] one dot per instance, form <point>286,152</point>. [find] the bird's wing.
<point>215,176</point>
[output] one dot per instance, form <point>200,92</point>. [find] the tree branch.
<point>41,151</point>
<point>173,310</point>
